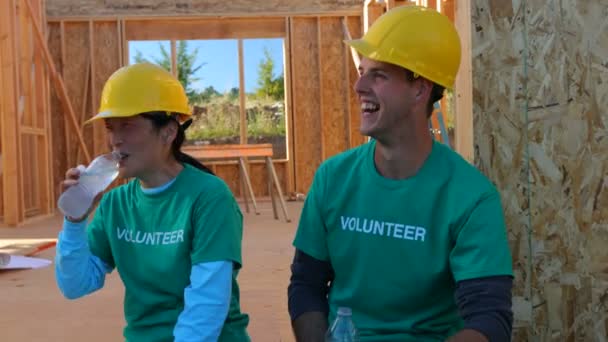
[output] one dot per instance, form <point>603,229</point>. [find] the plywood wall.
<point>24,114</point>
<point>540,93</point>
<point>323,115</point>
<point>325,108</point>
<point>115,8</point>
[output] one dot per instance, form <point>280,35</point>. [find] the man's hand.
<point>468,335</point>
<point>310,327</point>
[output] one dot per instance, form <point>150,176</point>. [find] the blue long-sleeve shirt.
<point>206,300</point>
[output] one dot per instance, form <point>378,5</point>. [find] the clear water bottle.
<point>95,178</point>
<point>342,329</point>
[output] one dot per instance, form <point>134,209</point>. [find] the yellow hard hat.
<point>140,88</point>
<point>417,38</point>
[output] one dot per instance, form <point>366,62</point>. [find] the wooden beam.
<point>463,90</point>
<point>8,107</point>
<point>207,16</point>
<point>320,73</point>
<point>242,104</point>
<point>354,54</point>
<point>288,108</point>
<point>124,43</point>
<point>371,11</point>
<point>85,91</point>
<point>174,70</point>
<point>62,92</point>
<point>33,130</point>
<point>170,29</point>
<point>119,39</point>
<point>229,151</point>
<point>348,53</point>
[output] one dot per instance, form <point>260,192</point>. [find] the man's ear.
<point>424,89</point>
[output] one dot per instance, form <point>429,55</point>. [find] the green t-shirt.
<point>154,239</point>
<point>398,247</point>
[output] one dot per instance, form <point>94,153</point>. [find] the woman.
<point>173,233</point>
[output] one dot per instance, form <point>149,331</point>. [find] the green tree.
<point>268,85</point>
<point>208,93</point>
<point>233,93</point>
<point>186,67</point>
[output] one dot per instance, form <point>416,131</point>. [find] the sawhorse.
<point>241,153</point>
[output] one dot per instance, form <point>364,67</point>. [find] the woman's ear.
<point>168,133</point>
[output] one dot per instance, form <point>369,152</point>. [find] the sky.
<point>220,58</point>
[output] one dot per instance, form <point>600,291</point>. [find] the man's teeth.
<point>369,107</point>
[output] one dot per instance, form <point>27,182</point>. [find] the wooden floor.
<point>32,309</point>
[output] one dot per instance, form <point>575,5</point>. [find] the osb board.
<point>306,104</point>
<point>106,57</point>
<point>334,102</point>
<point>354,107</point>
<point>76,50</point>
<point>194,7</point>
<point>230,174</point>
<point>259,177</point>
<point>58,119</point>
<point>561,278</point>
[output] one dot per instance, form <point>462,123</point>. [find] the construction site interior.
<point>528,110</point>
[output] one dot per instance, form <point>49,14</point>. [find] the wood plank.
<point>307,129</point>
<point>356,138</point>
<point>228,151</point>
<point>242,104</point>
<point>45,153</point>
<point>190,29</point>
<point>289,118</point>
<point>371,12</point>
<point>198,7</point>
<point>58,123</point>
<point>463,116</point>
<point>8,106</point>
<point>448,8</point>
<point>124,43</point>
<point>105,48</point>
<point>321,79</point>
<point>334,93</point>
<point>174,70</point>
<point>33,130</point>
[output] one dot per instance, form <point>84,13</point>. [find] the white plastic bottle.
<point>95,178</point>
<point>343,328</point>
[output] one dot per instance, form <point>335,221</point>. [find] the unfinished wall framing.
<point>540,85</point>
<point>322,111</point>
<point>26,183</point>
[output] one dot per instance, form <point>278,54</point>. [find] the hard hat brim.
<point>108,114</point>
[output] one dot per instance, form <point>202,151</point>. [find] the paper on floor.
<point>9,261</point>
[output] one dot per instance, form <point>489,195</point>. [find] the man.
<point>403,230</point>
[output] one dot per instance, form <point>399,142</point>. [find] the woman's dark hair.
<point>162,119</point>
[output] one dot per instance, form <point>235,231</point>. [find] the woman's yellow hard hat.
<point>140,88</point>
<point>416,38</point>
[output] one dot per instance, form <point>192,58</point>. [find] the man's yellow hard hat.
<point>416,38</point>
<point>140,88</point>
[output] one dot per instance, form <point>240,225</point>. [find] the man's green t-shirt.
<point>398,247</point>
<point>154,239</point>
